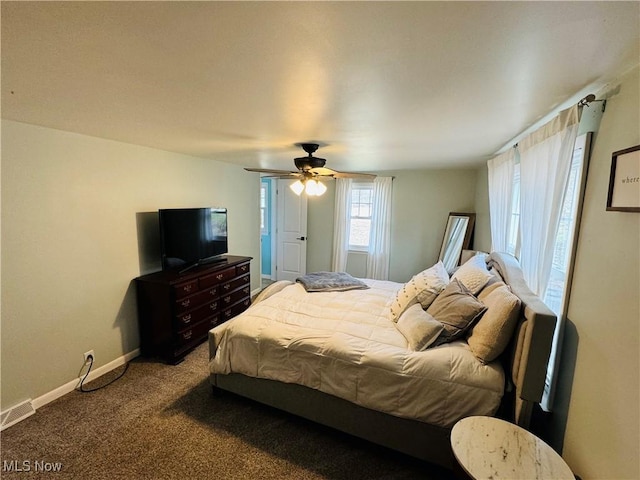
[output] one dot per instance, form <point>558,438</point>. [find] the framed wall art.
<point>624,181</point>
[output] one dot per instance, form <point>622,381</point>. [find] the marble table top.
<point>490,448</point>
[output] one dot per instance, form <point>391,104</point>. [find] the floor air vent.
<point>16,414</point>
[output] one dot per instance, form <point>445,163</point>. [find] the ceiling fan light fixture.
<point>314,188</point>
<point>321,188</point>
<point>297,187</point>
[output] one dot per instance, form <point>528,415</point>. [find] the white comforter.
<point>344,344</point>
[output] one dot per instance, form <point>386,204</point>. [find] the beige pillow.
<point>490,287</point>
<point>423,288</point>
<point>491,335</point>
<point>457,309</point>
<point>418,327</point>
<point>473,274</point>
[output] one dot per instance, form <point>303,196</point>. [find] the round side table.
<point>487,447</point>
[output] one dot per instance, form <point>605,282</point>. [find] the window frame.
<point>355,187</point>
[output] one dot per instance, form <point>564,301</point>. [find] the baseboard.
<point>64,389</point>
<point>255,292</point>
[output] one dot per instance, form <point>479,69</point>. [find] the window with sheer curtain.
<point>541,227</point>
<point>363,223</point>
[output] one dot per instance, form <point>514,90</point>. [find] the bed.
<point>374,362</point>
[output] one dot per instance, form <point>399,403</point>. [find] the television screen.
<point>192,236</point>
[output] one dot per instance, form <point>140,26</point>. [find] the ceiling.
<point>383,85</point>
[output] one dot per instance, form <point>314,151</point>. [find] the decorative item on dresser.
<point>176,311</point>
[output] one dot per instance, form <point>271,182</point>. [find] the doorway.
<point>283,231</point>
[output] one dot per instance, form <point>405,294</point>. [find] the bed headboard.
<point>531,344</point>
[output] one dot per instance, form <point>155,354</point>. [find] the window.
<point>360,211</point>
<point>554,296</point>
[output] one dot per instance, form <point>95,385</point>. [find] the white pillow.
<point>430,283</point>
<point>423,288</point>
<point>418,327</point>
<point>473,274</point>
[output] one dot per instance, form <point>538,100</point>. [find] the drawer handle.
<point>227,299</point>
<point>213,306</point>
<point>186,318</point>
<point>243,268</point>
<point>245,290</point>
<point>187,335</point>
<point>227,313</point>
<point>186,288</point>
<point>213,292</point>
<point>186,303</point>
<point>219,276</point>
<point>226,286</point>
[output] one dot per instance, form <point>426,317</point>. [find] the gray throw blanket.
<point>330,282</point>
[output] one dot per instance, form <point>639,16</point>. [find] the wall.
<point>72,210</point>
<point>422,200</point>
<point>602,431</point>
<point>482,239</point>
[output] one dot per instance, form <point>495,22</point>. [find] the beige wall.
<point>70,244</point>
<point>422,200</point>
<point>602,432</point>
<point>483,223</point>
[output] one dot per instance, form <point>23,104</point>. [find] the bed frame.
<point>525,362</point>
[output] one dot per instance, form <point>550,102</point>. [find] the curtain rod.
<point>583,102</point>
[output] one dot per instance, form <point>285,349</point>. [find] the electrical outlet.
<point>88,356</point>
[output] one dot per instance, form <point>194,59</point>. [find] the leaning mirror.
<point>457,237</point>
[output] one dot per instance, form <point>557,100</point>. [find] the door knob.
<point>301,238</point>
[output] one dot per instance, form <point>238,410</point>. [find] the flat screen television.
<point>192,236</point>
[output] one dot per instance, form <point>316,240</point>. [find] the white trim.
<point>255,292</point>
<point>69,387</point>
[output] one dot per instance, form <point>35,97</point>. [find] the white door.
<point>291,256</point>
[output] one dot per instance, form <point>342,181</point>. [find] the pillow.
<point>473,274</point>
<point>430,283</point>
<point>491,335</point>
<point>457,309</point>
<point>418,327</point>
<point>424,287</point>
<point>490,287</point>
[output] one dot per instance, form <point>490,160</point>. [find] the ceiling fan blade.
<point>368,176</point>
<point>285,176</point>
<point>324,171</point>
<point>274,172</point>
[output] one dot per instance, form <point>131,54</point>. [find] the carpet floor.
<point>164,422</point>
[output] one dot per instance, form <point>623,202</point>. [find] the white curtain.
<point>500,196</point>
<point>379,244</point>
<point>341,225</point>
<point>545,160</point>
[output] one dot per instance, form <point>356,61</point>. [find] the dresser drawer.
<point>184,289</point>
<point>188,303</point>
<point>192,335</point>
<point>242,269</point>
<point>234,284</point>
<point>187,319</point>
<point>232,311</point>
<point>235,296</point>
<point>217,277</point>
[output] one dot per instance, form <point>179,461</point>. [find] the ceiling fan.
<point>310,168</point>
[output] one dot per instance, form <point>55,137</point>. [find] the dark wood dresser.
<point>176,311</point>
